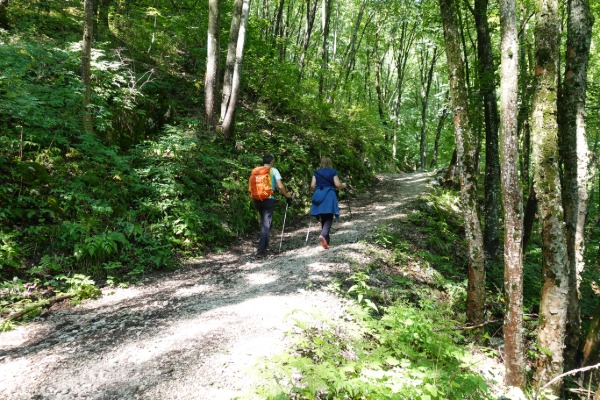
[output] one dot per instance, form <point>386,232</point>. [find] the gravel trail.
<point>196,333</point>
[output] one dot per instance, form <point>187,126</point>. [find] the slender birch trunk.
<point>229,119</point>
<point>230,60</point>
<point>575,156</point>
<point>514,347</point>
<point>212,63</point>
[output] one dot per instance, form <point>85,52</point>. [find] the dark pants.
<point>265,208</point>
<point>326,221</point>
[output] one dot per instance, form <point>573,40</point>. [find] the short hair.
<point>326,162</point>
<point>267,158</point>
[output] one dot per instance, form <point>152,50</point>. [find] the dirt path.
<point>196,333</point>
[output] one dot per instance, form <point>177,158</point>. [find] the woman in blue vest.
<point>324,185</point>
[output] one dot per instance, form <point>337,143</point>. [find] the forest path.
<point>196,333</point>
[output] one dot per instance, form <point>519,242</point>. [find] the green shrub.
<point>405,354</point>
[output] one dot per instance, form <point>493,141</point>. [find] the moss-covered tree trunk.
<point>514,360</point>
<point>466,147</point>
<point>86,51</point>
<point>575,157</point>
<point>212,62</point>
<point>555,276</point>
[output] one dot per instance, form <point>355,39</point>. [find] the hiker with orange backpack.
<point>262,185</point>
<point>324,185</point>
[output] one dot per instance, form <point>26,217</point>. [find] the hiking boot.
<point>323,242</point>
<point>260,256</point>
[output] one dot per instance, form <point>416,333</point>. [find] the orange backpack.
<point>259,184</point>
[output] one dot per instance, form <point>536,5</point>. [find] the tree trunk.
<point>514,360</point>
<point>278,33</point>
<point>450,177</point>
<point>529,217</point>
<point>4,14</point>
<point>297,32</point>
<point>524,126</point>
<point>377,61</point>
<point>95,6</point>
<point>230,61</point>
<point>347,60</point>
<point>466,149</point>
<point>326,18</point>
<point>426,79</point>
<point>263,14</point>
<point>555,286</point>
<point>237,73</point>
<point>591,349</point>
<point>575,157</point>
<point>86,75</point>
<point>103,22</point>
<point>438,131</point>
<point>407,38</point>
<point>487,90</point>
<point>286,33</point>
<point>311,12</point>
<point>212,63</point>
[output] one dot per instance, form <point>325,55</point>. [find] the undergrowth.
<point>403,336</point>
<point>403,353</point>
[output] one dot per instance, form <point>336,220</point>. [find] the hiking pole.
<point>308,230</point>
<point>348,202</point>
<point>282,229</point>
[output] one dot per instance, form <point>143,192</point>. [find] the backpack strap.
<point>333,187</point>
<point>327,179</point>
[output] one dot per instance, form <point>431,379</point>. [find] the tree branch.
<point>41,303</point>
<point>572,372</point>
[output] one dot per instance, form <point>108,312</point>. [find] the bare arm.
<point>282,189</point>
<point>338,184</point>
<point>313,184</point>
